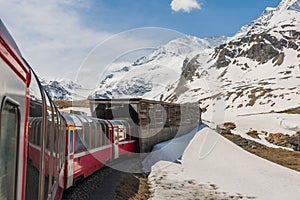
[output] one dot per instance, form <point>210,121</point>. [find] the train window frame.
<point>9,101</point>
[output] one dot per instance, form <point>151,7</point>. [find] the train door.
<point>70,157</point>
<point>9,137</point>
<point>116,142</point>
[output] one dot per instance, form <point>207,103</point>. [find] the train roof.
<point>78,120</point>
<point>10,39</point>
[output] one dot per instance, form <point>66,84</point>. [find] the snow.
<point>63,89</point>
<point>210,160</point>
<point>149,76</point>
<point>84,110</point>
<point>162,150</point>
<point>265,124</point>
<point>295,6</point>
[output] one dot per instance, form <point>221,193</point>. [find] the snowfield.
<point>265,124</point>
<point>176,146</point>
<point>214,168</point>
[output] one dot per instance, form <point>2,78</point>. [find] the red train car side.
<point>14,83</point>
<point>32,134</point>
<point>92,143</point>
<point>44,152</point>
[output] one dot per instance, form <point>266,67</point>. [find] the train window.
<point>100,133</point>
<point>55,134</point>
<point>71,132</point>
<point>116,134</point>
<point>86,136</point>
<point>78,147</point>
<point>127,129</point>
<point>10,126</point>
<point>34,155</point>
<point>105,134</point>
<point>103,137</point>
<point>48,159</point>
<point>55,154</point>
<point>38,132</point>
<point>62,142</point>
<point>122,133</point>
<point>55,144</point>
<point>95,134</point>
<point>109,135</point>
<point>33,135</point>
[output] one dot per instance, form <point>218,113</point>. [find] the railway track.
<point>104,183</point>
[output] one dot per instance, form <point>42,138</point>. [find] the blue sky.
<point>57,36</point>
<point>215,18</point>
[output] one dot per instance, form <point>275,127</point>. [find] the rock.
<point>225,128</point>
<point>253,133</point>
<point>294,141</point>
<point>279,139</point>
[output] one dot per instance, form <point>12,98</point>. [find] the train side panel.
<point>14,81</point>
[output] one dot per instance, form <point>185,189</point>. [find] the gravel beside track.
<point>104,183</point>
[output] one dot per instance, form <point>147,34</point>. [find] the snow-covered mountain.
<point>64,89</point>
<point>233,79</point>
<point>257,70</point>
<point>149,76</point>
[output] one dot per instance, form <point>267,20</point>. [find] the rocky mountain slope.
<point>233,79</point>
<point>257,70</point>
<point>64,89</point>
<point>149,76</point>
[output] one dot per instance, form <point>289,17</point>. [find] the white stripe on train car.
<point>92,151</point>
<point>127,142</point>
<point>39,149</point>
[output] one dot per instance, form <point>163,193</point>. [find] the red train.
<point>44,152</point>
<point>92,142</point>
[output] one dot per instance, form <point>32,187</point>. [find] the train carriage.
<point>124,144</point>
<point>92,143</point>
<point>14,82</point>
<point>44,152</point>
<point>46,146</point>
<point>32,144</point>
<point>89,146</point>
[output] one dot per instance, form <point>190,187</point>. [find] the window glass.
<point>35,131</point>
<point>95,132</point>
<point>71,142</point>
<point>116,135</point>
<point>86,135</point>
<point>104,133</point>
<point>48,159</point>
<point>100,133</point>
<point>62,141</point>
<point>78,147</point>
<point>8,148</point>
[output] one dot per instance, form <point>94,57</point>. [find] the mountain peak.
<point>288,5</point>
<point>272,18</point>
<point>181,47</point>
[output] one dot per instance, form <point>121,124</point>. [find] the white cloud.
<point>50,34</point>
<point>184,5</point>
<point>125,46</point>
<point>54,40</point>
